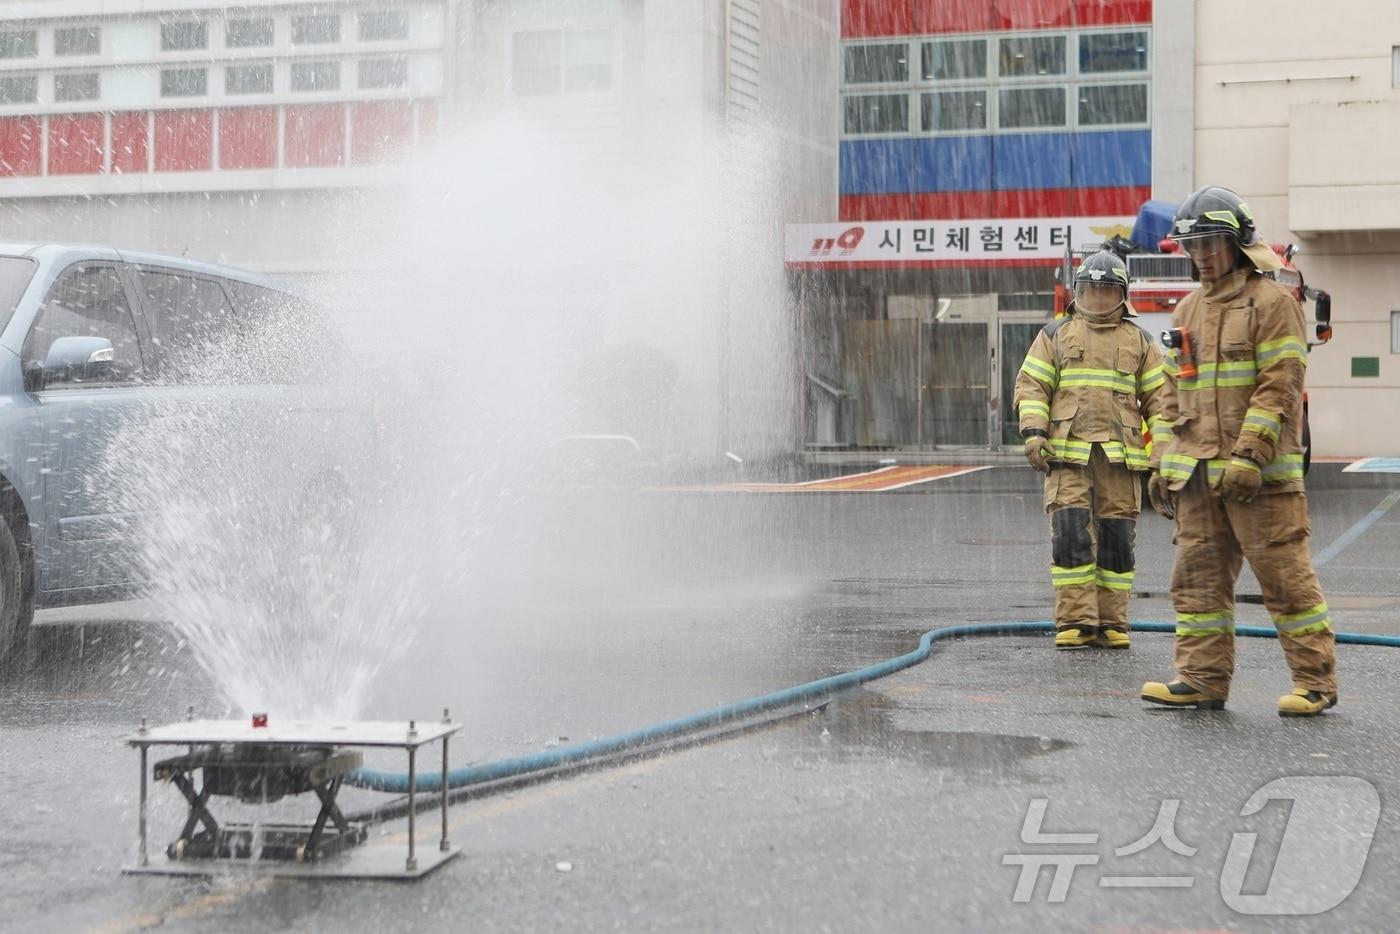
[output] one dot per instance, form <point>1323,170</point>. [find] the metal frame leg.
<point>444,846</point>
<point>412,864</point>
<point>141,820</point>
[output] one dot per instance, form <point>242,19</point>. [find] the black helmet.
<point>1103,266</point>
<point>1214,210</point>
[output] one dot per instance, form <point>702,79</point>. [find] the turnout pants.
<point>1212,535</point>
<point>1093,518</point>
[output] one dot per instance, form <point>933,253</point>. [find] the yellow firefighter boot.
<point>1305,703</point>
<point>1113,639</point>
<point>1073,637</point>
<point>1179,694</point>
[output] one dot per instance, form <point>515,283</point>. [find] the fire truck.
<point>1162,275</point>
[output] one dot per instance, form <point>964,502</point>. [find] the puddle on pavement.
<point>858,726</point>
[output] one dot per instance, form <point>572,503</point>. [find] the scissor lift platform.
<point>259,763</point>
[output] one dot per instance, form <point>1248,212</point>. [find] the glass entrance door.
<point>1017,332</point>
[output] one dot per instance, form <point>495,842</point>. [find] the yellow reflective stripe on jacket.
<point>1032,407</point>
<point>1281,469</point>
<point>1285,348</point>
<point>1040,370</point>
<point>1226,373</point>
<point>1161,429</point>
<point>1152,379</point>
<point>1114,580</point>
<point>1097,379</point>
<point>1071,451</point>
<point>1217,623</point>
<point>1263,423</point>
<point>1313,619</point>
<point>1069,577</point>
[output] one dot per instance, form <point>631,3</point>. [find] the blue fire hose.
<point>397,782</point>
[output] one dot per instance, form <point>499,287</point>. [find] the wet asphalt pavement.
<point>910,804</point>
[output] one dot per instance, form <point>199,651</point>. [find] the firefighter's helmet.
<point>1102,268</point>
<point>1213,211</point>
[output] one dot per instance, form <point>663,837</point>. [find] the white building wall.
<point>1297,109</point>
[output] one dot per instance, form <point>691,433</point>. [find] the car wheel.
<point>16,592</point>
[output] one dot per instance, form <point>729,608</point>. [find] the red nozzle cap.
<point>259,719</point>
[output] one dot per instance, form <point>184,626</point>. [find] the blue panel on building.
<point>1031,160</point>
<point>877,166</point>
<point>953,163</point>
<point>1112,159</point>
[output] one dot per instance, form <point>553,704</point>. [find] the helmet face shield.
<point>1098,297</point>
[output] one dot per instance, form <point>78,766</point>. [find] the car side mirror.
<point>74,360</point>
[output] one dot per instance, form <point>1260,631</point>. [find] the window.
<point>954,110</point>
<point>316,30</point>
<point>88,301</point>
<point>1028,56</point>
<point>248,33</point>
<point>184,82</point>
<point>85,86</point>
<point>551,60</point>
<point>1027,108</point>
<point>1395,332</point>
<point>954,60</point>
<point>876,64</point>
<point>535,58</point>
<point>1104,105</point>
<point>1104,52</point>
<point>19,89</point>
<point>248,79</point>
<point>19,43</point>
<point>383,26</point>
<point>282,338</point>
<point>588,60</point>
<point>188,316</point>
<point>381,73</point>
<point>15,273</point>
<point>78,40</point>
<point>315,76</point>
<point>876,113</point>
<point>176,37</point>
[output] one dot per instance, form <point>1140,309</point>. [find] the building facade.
<point>1308,129</point>
<point>981,142</point>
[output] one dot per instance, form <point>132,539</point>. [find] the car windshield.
<point>15,273</point>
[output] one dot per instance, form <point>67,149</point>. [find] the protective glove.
<point>1160,496</point>
<point>1241,481</point>
<point>1036,446</point>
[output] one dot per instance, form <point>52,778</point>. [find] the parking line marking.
<point>1356,531</point>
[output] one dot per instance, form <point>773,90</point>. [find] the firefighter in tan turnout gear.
<point>1089,381</point>
<point>1232,472</point>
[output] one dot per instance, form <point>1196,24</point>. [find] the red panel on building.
<point>937,16</point>
<point>427,121</point>
<point>379,131</point>
<point>184,140</point>
<point>75,144</point>
<point>1049,202</point>
<point>248,138</point>
<point>315,136</point>
<point>20,145</point>
<point>1100,202</point>
<point>131,143</point>
<point>1112,12</point>
<point>1033,14</point>
<point>862,19</point>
